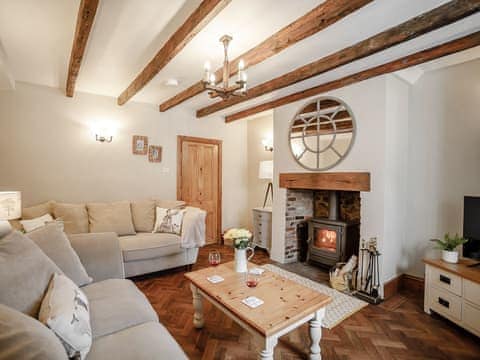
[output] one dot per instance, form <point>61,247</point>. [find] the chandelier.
<point>225,90</point>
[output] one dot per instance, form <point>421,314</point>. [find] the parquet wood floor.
<point>396,329</point>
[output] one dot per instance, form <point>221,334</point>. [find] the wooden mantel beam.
<point>85,18</point>
<point>420,57</point>
<point>202,15</point>
<point>346,181</point>
<point>309,24</point>
<point>408,30</point>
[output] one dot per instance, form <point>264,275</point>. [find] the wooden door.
<point>199,179</point>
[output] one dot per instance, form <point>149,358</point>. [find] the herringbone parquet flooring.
<point>396,329</point>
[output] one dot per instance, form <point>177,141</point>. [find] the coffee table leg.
<point>267,345</point>
<point>316,334</point>
<point>198,307</point>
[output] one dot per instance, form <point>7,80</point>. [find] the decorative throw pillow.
<point>111,217</point>
<point>25,272</point>
<point>74,216</point>
<point>169,221</point>
<point>66,311</point>
<point>30,225</point>
<point>38,210</point>
<point>23,337</point>
<point>143,214</point>
<point>55,244</point>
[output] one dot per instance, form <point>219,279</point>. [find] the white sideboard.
<point>453,291</point>
<point>262,227</point>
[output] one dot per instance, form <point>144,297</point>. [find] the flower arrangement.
<point>240,237</point>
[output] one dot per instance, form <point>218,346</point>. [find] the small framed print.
<point>154,153</point>
<point>140,145</point>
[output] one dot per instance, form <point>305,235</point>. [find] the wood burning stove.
<point>330,240</point>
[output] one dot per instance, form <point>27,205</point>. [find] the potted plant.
<point>448,246</point>
<point>241,242</point>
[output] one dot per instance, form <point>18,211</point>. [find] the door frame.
<point>180,140</point>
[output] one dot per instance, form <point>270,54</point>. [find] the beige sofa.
<point>133,221</point>
<point>124,324</point>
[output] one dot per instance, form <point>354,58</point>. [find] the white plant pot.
<point>450,256</point>
<point>241,259</point>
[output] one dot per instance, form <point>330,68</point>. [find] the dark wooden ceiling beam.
<point>85,18</point>
<point>312,22</point>
<point>202,15</point>
<point>420,57</point>
<point>408,30</point>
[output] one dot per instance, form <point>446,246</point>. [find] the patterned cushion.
<point>169,220</point>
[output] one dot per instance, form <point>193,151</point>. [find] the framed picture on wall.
<point>139,145</point>
<point>154,153</point>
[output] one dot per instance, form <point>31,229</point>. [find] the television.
<point>471,227</point>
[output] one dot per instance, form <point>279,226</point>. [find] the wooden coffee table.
<point>287,306</point>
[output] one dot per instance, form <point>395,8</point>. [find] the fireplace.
<point>331,240</point>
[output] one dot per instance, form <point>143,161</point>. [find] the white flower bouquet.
<point>240,237</point>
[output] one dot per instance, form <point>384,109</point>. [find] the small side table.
<point>262,227</point>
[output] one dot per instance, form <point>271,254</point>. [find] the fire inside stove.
<point>326,240</point>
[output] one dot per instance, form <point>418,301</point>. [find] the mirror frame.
<point>354,131</point>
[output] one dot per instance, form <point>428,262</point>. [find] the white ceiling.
<point>36,38</point>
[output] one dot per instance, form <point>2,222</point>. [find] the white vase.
<point>450,256</point>
<point>241,259</point>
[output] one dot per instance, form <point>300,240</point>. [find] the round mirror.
<point>322,133</point>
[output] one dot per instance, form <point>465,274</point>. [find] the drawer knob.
<point>444,302</point>
<point>445,279</point>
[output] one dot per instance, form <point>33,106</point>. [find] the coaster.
<point>257,271</point>
<point>252,302</point>
<point>215,279</point>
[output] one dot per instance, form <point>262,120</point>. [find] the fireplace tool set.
<point>369,272</point>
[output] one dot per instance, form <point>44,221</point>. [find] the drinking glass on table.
<point>214,258</point>
<point>251,278</point>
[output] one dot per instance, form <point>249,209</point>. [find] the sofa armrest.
<point>100,253</point>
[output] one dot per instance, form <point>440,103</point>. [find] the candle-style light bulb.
<point>206,66</point>
<point>241,65</point>
<point>212,79</point>
<point>206,75</point>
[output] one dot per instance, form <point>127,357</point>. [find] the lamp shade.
<point>10,205</point>
<point>265,170</point>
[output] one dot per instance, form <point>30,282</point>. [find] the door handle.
<point>445,279</point>
<point>444,302</point>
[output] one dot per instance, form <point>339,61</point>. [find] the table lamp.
<point>265,171</point>
<point>10,209</point>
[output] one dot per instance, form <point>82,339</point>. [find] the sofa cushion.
<point>25,273</point>
<point>170,204</point>
<point>35,223</point>
<point>38,210</point>
<point>148,341</point>
<point>143,214</point>
<point>55,244</point>
<point>111,217</point>
<point>65,310</point>
<point>117,304</point>
<point>74,216</point>
<point>149,246</point>
<point>23,337</point>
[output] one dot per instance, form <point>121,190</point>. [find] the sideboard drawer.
<point>446,280</point>
<point>471,291</point>
<point>471,317</point>
<point>446,303</point>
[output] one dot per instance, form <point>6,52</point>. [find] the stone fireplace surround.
<point>307,196</point>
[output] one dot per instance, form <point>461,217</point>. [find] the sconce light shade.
<point>10,205</point>
<point>265,170</point>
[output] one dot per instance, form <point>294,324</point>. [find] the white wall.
<point>48,151</point>
<point>443,156</point>
<point>257,129</point>
<point>367,101</point>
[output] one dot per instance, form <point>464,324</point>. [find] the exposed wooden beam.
<point>312,22</point>
<point>419,25</point>
<point>420,57</point>
<point>202,15</point>
<point>85,18</point>
<point>347,181</point>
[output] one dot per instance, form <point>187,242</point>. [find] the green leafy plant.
<point>449,243</point>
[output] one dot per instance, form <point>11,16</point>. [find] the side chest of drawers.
<point>453,296</point>
<point>262,227</point>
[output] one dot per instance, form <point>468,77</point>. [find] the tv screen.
<point>471,227</point>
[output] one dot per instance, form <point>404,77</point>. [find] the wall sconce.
<point>102,138</point>
<point>268,143</point>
